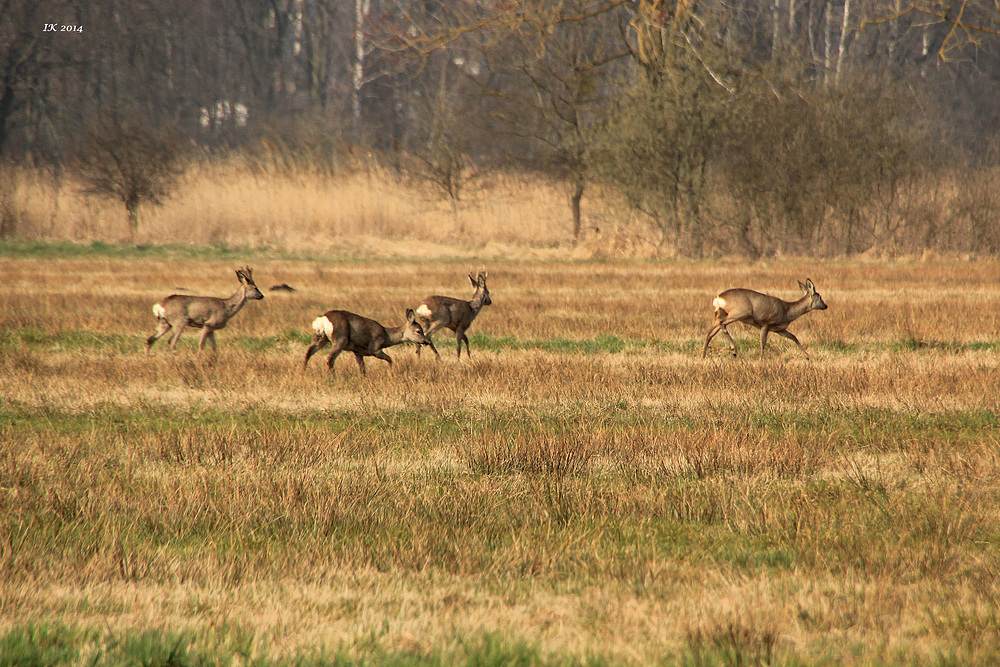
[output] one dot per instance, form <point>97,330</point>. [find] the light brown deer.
<point>767,313</point>
<point>360,335</point>
<point>445,312</point>
<point>208,313</point>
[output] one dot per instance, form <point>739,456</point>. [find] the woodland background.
<point>655,127</point>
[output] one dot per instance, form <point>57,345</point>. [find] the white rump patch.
<point>323,326</point>
<point>424,311</point>
<point>159,311</point>
<point>719,303</point>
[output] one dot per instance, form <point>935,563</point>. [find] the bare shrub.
<point>128,161</point>
<point>657,149</point>
<point>975,213</point>
<point>820,171</point>
<point>437,147</point>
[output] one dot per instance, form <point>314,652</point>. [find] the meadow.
<point>584,490</point>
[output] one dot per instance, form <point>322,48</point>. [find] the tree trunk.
<point>776,29</point>
<point>843,41</point>
<point>133,221</point>
<point>361,8</point>
<point>6,112</point>
<point>811,18</point>
<point>577,217</point>
<point>827,46</point>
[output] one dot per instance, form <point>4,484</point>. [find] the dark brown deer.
<point>208,313</point>
<point>445,312</point>
<point>767,313</point>
<point>360,335</point>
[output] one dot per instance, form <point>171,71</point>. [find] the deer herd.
<point>364,337</point>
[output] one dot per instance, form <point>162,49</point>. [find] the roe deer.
<point>437,312</point>
<point>360,335</point>
<point>208,313</point>
<point>767,313</point>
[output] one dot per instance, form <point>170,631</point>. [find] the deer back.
<point>455,313</point>
<point>752,307</point>
<point>355,332</point>
<point>195,311</point>
<point>450,312</point>
<point>365,335</point>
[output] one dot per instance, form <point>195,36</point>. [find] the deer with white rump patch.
<point>445,312</point>
<point>208,313</point>
<point>360,335</point>
<point>767,313</point>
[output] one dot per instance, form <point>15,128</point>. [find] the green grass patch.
<point>277,342</point>
<point>53,646</point>
<point>71,341</point>
<point>68,250</point>
<point>853,429</point>
<point>40,646</point>
<point>88,341</point>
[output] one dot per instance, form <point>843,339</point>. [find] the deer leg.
<point>318,343</point>
<point>711,334</point>
<point>732,343</point>
<point>162,329</point>
<point>177,334</point>
<point>338,347</point>
<point>430,344</point>
<point>428,332</point>
<point>763,339</point>
<point>385,357</point>
<point>209,336</point>
<point>461,337</point>
<point>332,358</point>
<point>790,336</point>
<point>360,358</point>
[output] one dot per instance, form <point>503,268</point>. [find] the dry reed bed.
<point>629,503</point>
<point>238,204</point>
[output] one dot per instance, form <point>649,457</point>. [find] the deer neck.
<point>476,303</point>
<point>235,302</point>
<point>394,335</point>
<point>797,309</point>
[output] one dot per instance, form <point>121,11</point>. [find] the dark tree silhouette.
<point>130,162</point>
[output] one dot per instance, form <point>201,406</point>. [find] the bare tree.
<point>542,72</point>
<point>123,159</point>
<point>967,21</point>
<point>552,84</point>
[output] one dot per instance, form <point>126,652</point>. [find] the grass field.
<point>585,490</point>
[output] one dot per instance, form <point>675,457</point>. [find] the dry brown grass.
<point>585,483</point>
<point>364,209</point>
<point>235,203</point>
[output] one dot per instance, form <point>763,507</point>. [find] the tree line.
<point>750,126</point>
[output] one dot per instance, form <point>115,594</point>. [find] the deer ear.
<point>803,287</point>
<point>810,286</point>
<point>411,317</point>
<point>474,281</point>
